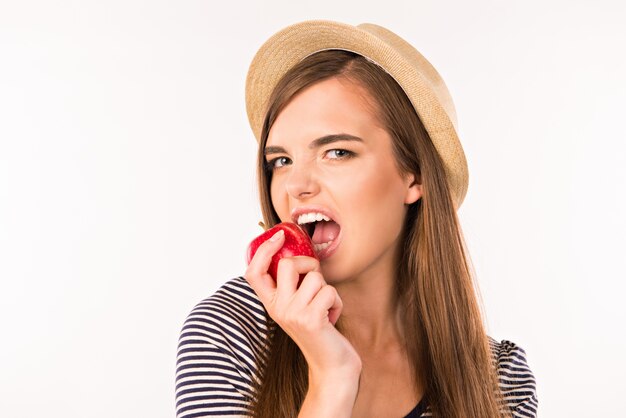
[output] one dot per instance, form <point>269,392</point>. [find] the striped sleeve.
<point>221,342</point>
<point>516,379</point>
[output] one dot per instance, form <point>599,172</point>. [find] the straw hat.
<point>417,77</point>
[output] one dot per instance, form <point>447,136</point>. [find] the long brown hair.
<point>446,341</point>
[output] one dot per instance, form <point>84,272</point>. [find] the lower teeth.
<point>320,247</point>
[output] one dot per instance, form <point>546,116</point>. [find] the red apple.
<point>297,242</point>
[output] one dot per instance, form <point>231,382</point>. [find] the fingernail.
<point>277,235</point>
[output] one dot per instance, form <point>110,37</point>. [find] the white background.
<point>127,185</point>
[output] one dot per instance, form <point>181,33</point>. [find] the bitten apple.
<point>297,242</point>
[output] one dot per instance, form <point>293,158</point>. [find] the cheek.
<point>376,200</point>
<point>273,191</point>
<point>377,188</point>
<point>279,199</point>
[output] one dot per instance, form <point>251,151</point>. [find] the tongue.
<point>325,232</point>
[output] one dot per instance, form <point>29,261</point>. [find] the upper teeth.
<point>306,218</point>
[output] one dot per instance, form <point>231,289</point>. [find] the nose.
<point>301,183</point>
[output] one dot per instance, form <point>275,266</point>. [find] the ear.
<point>413,189</point>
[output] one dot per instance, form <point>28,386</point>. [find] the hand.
<point>307,314</point>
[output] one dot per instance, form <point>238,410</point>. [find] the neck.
<point>371,317</point>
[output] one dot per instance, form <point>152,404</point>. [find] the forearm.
<point>330,400</point>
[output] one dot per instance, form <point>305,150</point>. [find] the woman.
<point>358,143</point>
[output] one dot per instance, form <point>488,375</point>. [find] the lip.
<point>328,251</point>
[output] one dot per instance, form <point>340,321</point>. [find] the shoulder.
<point>516,379</point>
<point>233,307</point>
<point>233,319</point>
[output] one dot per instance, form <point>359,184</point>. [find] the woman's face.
<point>354,181</point>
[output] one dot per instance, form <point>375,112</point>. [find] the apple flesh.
<point>297,242</point>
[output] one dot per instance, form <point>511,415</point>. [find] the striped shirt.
<point>222,341</point>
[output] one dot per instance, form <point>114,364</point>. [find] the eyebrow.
<point>319,142</point>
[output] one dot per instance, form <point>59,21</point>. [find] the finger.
<point>328,302</point>
<point>311,285</point>
<point>288,272</point>
<point>256,273</point>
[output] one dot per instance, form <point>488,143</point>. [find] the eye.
<point>277,163</point>
<point>339,153</point>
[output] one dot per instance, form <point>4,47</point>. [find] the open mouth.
<point>322,230</point>
<point>309,228</point>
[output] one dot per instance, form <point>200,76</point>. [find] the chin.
<point>334,274</point>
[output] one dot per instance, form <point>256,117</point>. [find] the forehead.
<point>328,107</point>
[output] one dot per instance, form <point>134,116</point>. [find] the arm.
<point>333,397</point>
<point>308,313</point>
<point>217,353</point>
<point>207,382</point>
